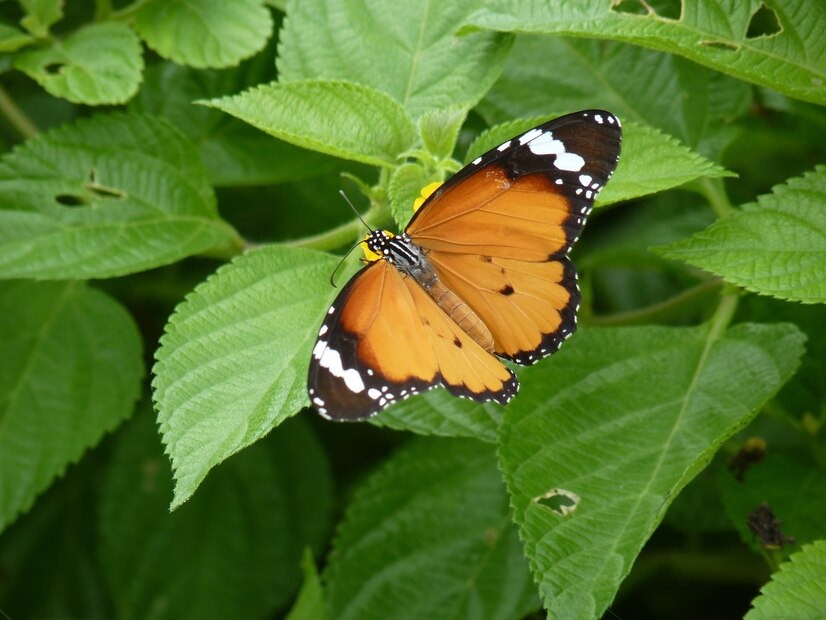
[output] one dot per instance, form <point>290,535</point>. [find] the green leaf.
<point>439,413</point>
<point>235,153</point>
<point>309,605</point>
<point>407,50</point>
<point>439,129</point>
<point>430,536</point>
<point>776,246</point>
<point>679,97</point>
<point>234,358</point>
<point>71,372</point>
<point>797,590</point>
<point>793,489</point>
<point>40,15</point>
<point>714,33</point>
<point>406,185</point>
<point>605,433</point>
<point>337,118</point>
<point>650,161</point>
<point>233,550</point>
<point>12,39</point>
<point>99,64</point>
<point>204,33</point>
<point>106,196</point>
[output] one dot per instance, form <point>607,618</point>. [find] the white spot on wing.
<point>546,145</point>
<point>331,360</point>
<point>569,161</point>
<point>323,330</point>
<point>504,145</point>
<point>530,135</point>
<point>585,179</point>
<point>476,161</point>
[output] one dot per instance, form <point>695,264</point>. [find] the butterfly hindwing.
<point>385,339</point>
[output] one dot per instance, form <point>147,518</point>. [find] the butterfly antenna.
<point>353,207</point>
<point>340,263</point>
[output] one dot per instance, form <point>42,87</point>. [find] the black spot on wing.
<point>506,290</point>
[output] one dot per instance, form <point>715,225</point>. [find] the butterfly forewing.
<point>385,339</point>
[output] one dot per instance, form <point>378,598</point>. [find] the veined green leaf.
<point>797,590</point>
<point>233,361</point>
<point>406,49</point>
<point>430,536</point>
<point>650,161</point>
<point>792,59</point>
<point>233,550</point>
<point>235,153</point>
<point>686,100</point>
<point>406,186</point>
<point>106,196</point>
<point>343,119</point>
<point>12,39</point>
<point>775,247</point>
<point>204,33</point>
<point>309,604</point>
<point>605,433</point>
<point>100,64</point>
<point>71,372</point>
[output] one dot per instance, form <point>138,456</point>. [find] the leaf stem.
<point>103,10</point>
<point>715,192</point>
<point>16,117</point>
<point>724,313</point>
<point>127,12</point>
<point>339,236</point>
<point>660,310</point>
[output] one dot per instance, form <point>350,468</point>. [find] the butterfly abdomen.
<point>462,315</point>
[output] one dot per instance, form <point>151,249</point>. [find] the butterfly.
<point>480,274</point>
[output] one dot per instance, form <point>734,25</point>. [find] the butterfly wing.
<point>499,231</point>
<point>385,339</point>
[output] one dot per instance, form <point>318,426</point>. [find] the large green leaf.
<point>688,101</point>
<point>430,536</point>
<point>106,196</point>
<point>204,33</point>
<point>343,119</point>
<point>100,64</point>
<point>716,33</point>
<point>233,550</point>
<point>605,433</point>
<point>650,161</point>
<point>797,590</point>
<point>405,49</point>
<point>776,246</point>
<point>235,153</point>
<point>71,372</point>
<point>234,358</point>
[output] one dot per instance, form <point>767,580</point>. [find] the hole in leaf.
<point>53,68</point>
<point>666,9</point>
<point>562,502</point>
<point>763,23</point>
<point>721,45</point>
<point>71,200</point>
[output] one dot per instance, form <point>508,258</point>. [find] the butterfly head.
<point>376,245</point>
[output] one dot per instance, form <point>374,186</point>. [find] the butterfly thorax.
<point>403,253</point>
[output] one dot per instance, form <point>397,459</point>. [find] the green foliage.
<point>797,590</point>
<point>204,203</point>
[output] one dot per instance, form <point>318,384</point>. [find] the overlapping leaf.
<point>40,15</point>
<point>716,33</point>
<point>337,118</point>
<point>776,246</point>
<point>71,372</point>
<point>100,64</point>
<point>232,551</point>
<point>405,49</point>
<point>430,536</point>
<point>797,590</point>
<point>107,196</point>
<point>233,360</point>
<point>204,33</point>
<point>607,432</point>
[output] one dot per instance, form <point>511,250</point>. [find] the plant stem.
<point>103,10</point>
<point>715,193</point>
<point>18,119</point>
<point>724,313</point>
<point>339,236</point>
<point>658,310</point>
<point>128,11</point>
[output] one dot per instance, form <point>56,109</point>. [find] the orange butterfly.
<point>481,272</point>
